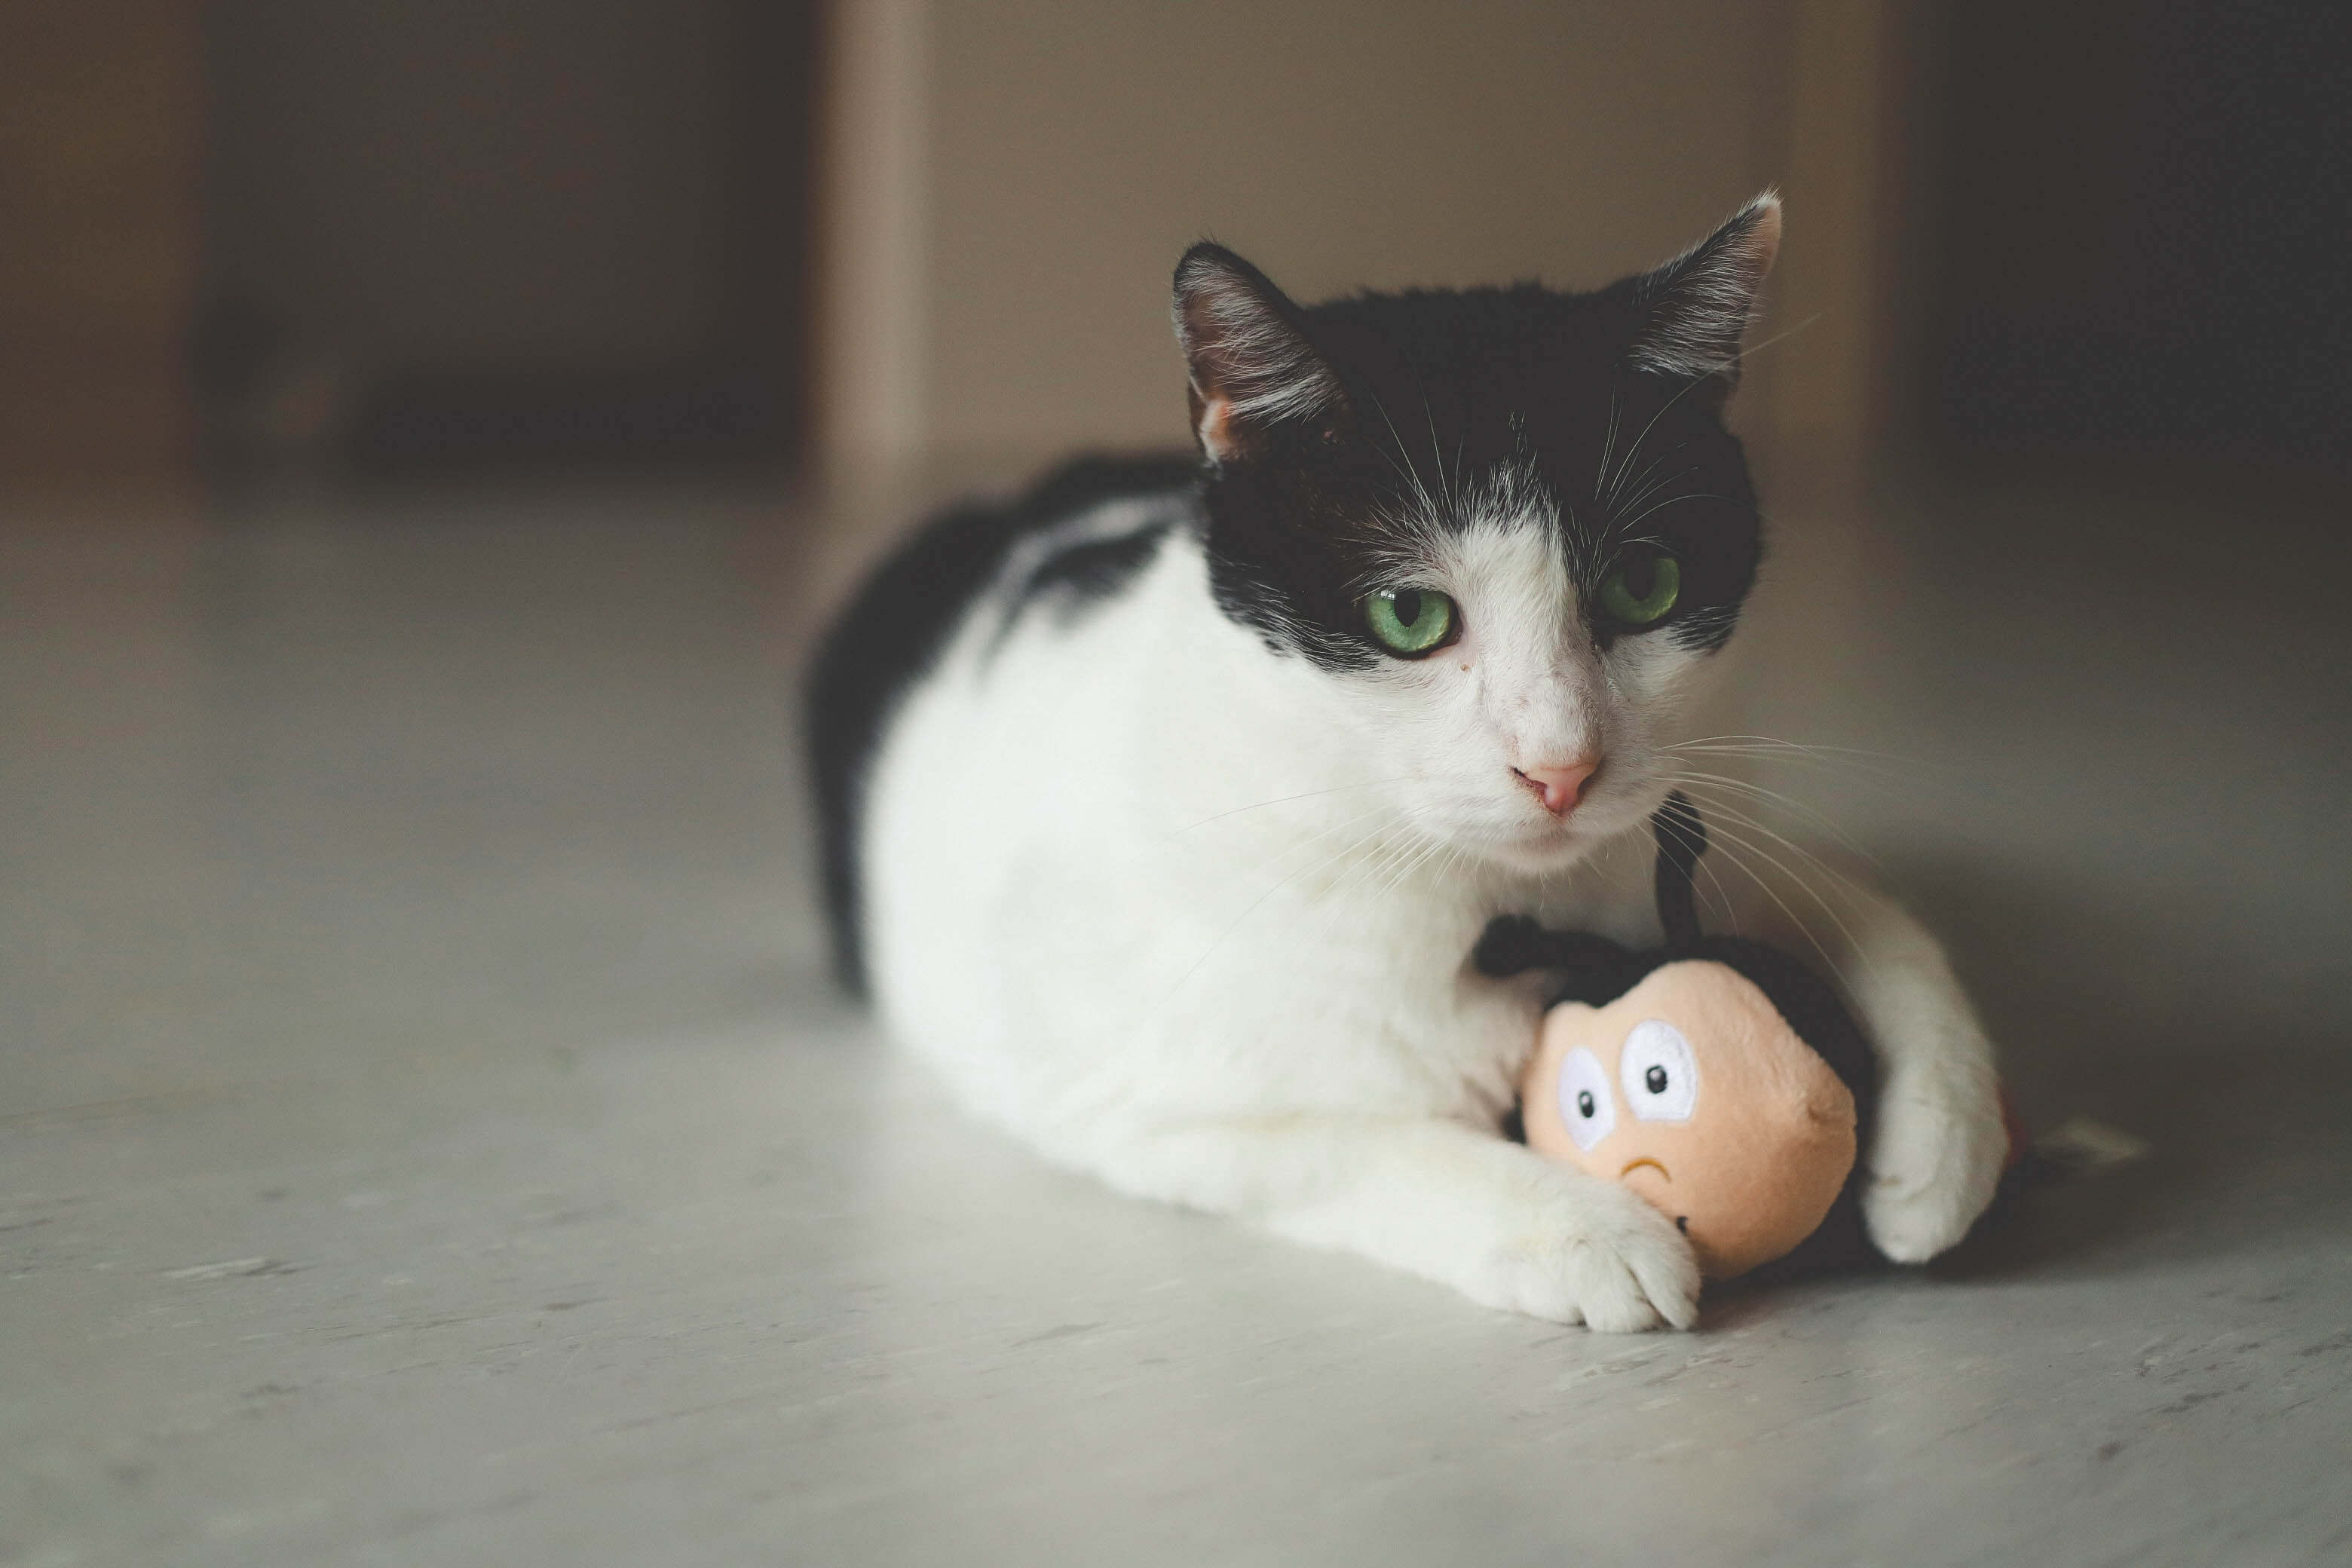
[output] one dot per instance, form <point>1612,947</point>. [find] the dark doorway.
<point>2133,229</point>
<point>506,232</point>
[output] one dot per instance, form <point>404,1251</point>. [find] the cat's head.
<point>1504,525</point>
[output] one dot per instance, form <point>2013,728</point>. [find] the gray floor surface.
<point>427,1136</point>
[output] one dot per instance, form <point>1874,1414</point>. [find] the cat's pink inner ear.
<point>1246,346</point>
<point>1215,428</point>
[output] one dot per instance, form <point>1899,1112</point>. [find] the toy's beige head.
<point>1691,1091</point>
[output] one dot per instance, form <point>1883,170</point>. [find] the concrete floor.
<point>425,1136</point>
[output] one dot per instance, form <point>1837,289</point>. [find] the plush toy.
<point>1717,1076</point>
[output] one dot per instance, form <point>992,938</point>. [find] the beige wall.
<point>1013,180</point>
<point>102,118</point>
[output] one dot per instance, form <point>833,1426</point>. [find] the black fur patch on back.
<point>895,628</point>
<point>1091,570</point>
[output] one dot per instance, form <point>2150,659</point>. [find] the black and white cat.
<point>1163,807</point>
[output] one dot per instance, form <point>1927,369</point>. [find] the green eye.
<point>1641,590</point>
<point>1409,621</point>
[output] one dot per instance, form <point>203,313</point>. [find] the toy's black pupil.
<point>1585,1102</point>
<point>1656,1078</point>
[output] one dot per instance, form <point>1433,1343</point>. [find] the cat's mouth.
<point>1534,842</point>
<point>1553,845</point>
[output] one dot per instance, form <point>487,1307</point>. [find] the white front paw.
<point>1591,1253</point>
<point>1935,1160</point>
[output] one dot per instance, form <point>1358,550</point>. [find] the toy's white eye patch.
<point>1585,1103</point>
<point>1660,1074</point>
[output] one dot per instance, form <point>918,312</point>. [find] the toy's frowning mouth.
<point>1634,1166</point>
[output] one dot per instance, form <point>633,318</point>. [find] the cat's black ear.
<point>1699,304</point>
<point>1246,345</point>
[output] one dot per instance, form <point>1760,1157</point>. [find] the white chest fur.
<point>1118,872</point>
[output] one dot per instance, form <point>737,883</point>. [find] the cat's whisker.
<point>1648,485</point>
<point>1403,866</point>
<point>1420,489</point>
<point>1677,501</point>
<point>1881,767</point>
<point>1631,451</point>
<point>1774,743</point>
<point>1609,443</point>
<point>1436,452</point>
<point>1251,907</point>
<point>1398,860</point>
<point>1731,851</point>
<point>1327,909</point>
<point>1747,349</point>
<point>1730,910</point>
<point>1730,915</point>
<point>1627,473</point>
<point>1144,850</point>
<point>1860,762</point>
<point>1845,885</point>
<point>1651,539</point>
<point>1716,788</point>
<point>1286,800</point>
<point>1437,849</point>
<point>1314,839</point>
<point>1725,780</point>
<point>1401,471</point>
<point>1720,809</point>
<point>1741,357</point>
<point>1452,864</point>
<point>1887,783</point>
<point>1336,827</point>
<point>1739,843</point>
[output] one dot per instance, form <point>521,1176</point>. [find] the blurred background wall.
<point>2054,448</point>
<point>536,231</point>
<point>102,142</point>
<point>2108,525</point>
<point>1028,169</point>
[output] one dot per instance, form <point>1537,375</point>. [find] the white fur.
<point>1194,916</point>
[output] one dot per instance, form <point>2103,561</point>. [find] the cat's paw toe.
<point>1934,1163</point>
<point>1617,1273</point>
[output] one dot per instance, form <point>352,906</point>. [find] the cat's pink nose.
<point>1561,787</point>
